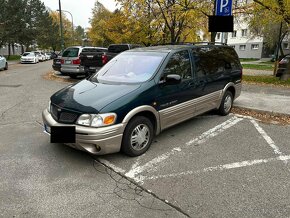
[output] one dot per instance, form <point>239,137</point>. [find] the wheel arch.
<point>146,111</point>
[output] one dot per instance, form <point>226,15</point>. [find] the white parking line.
<point>267,138</point>
<point>220,167</point>
<point>134,172</point>
<point>214,131</point>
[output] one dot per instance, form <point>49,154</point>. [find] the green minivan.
<point>141,92</point>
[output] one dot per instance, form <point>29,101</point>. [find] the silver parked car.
<point>3,63</point>
<point>70,62</point>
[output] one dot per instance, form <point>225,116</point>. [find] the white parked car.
<point>47,56</point>
<point>3,63</point>
<point>40,56</point>
<point>29,57</point>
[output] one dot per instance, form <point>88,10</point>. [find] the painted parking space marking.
<point>267,138</point>
<point>221,167</point>
<point>214,131</point>
<point>134,172</point>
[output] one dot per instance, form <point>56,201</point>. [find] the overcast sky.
<point>81,10</point>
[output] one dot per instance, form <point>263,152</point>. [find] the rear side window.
<point>71,52</point>
<point>212,60</point>
<point>118,48</point>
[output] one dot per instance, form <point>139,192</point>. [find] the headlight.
<point>97,120</point>
<point>49,104</point>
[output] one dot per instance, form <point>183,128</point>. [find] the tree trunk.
<point>13,49</point>
<point>9,50</point>
<point>286,74</point>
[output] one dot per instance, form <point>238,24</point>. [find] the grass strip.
<point>258,66</point>
<point>270,80</point>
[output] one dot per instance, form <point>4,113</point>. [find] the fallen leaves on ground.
<point>266,117</point>
<point>51,76</point>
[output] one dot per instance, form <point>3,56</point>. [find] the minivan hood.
<point>90,97</point>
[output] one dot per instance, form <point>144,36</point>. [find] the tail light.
<point>62,61</point>
<point>77,61</point>
<point>104,59</point>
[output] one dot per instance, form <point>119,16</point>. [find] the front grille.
<point>68,117</point>
<point>63,115</point>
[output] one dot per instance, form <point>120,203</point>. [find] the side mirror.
<point>172,79</point>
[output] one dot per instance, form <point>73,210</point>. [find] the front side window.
<point>130,67</point>
<point>179,64</point>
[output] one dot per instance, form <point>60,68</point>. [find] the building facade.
<point>244,42</point>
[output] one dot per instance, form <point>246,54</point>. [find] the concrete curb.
<point>262,111</point>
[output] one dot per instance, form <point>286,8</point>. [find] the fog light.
<point>98,148</point>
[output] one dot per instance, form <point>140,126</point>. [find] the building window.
<point>244,32</point>
<point>255,46</point>
<point>285,45</point>
<point>218,35</point>
<point>242,47</point>
<point>234,34</point>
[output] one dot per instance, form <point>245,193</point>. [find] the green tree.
<point>79,35</point>
<point>279,11</point>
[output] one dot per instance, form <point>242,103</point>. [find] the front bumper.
<point>97,141</point>
<point>27,61</point>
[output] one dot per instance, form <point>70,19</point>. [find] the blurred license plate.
<point>93,68</point>
<point>63,134</point>
<point>67,62</point>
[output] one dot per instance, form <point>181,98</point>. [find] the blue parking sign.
<point>223,8</point>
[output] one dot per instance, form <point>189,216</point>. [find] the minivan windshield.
<point>71,52</point>
<point>130,67</point>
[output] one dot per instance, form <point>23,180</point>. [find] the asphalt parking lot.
<point>209,166</point>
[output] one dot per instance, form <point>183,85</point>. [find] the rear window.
<point>94,50</point>
<point>71,52</point>
<point>28,54</point>
<point>118,48</point>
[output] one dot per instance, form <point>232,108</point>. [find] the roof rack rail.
<point>191,43</point>
<point>209,43</point>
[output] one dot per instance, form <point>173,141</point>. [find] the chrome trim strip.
<point>186,110</point>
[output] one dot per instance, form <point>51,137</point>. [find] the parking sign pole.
<point>61,31</point>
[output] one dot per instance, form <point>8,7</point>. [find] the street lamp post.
<point>72,22</point>
<point>61,31</point>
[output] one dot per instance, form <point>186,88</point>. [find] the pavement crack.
<point>128,189</point>
<point>4,112</point>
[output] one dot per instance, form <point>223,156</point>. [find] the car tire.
<point>137,136</point>
<point>226,104</point>
<point>6,66</point>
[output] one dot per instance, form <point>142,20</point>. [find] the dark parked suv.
<point>141,92</point>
